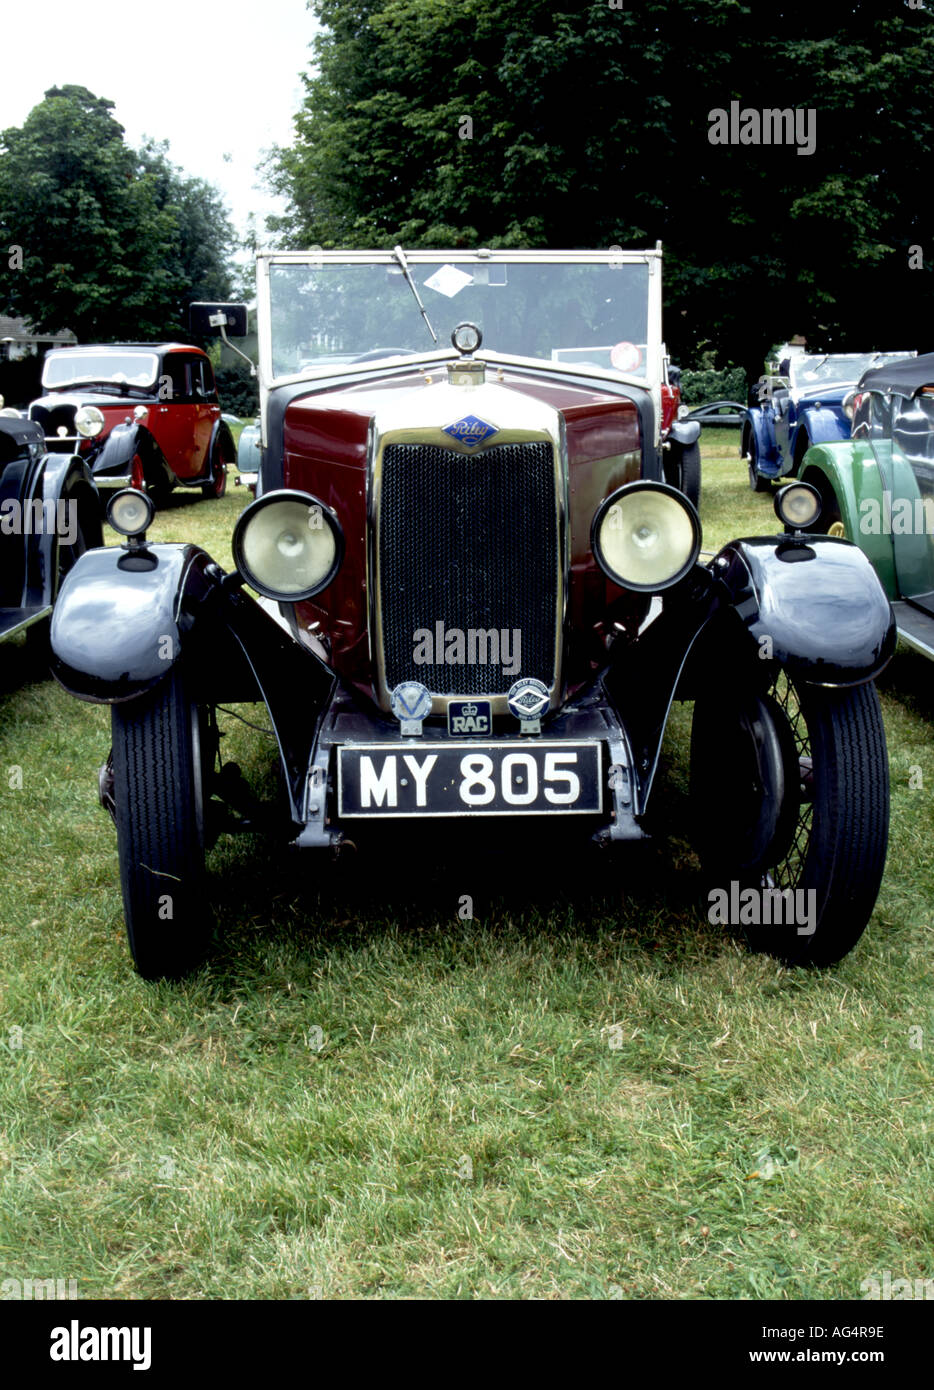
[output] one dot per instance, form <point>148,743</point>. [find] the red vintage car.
<point>481,587</point>
<point>142,415</point>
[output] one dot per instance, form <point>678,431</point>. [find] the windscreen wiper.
<point>399,254</point>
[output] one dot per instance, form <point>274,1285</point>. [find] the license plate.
<point>484,779</point>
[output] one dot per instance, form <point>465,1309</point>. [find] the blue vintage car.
<point>810,402</point>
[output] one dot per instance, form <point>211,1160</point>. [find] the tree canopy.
<point>97,237</point>
<point>530,123</point>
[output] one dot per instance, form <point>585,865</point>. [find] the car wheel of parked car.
<point>88,531</point>
<point>216,484</point>
<point>685,472</point>
<point>159,482</point>
<point>799,775</point>
<point>830,522</point>
<point>88,534</point>
<point>162,755</point>
<point>756,481</point>
<point>691,473</point>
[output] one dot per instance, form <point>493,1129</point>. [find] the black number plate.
<point>480,779</point>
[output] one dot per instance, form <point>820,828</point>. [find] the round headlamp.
<point>646,536</point>
<point>288,545</point>
<point>798,506</point>
<point>130,511</point>
<point>89,421</point>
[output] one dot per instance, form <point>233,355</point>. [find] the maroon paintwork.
<point>326,455</point>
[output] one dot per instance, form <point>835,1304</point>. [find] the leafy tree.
<point>96,237</point>
<point>238,390</point>
<point>523,122</point>
<point>199,251</point>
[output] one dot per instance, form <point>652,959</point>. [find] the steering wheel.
<point>374,353</point>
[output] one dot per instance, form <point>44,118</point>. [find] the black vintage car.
<point>481,587</point>
<point>49,515</point>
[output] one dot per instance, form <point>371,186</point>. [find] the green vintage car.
<point>878,488</point>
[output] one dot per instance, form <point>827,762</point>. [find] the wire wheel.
<point>788,871</point>
<point>790,789</point>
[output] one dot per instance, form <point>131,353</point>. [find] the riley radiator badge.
<point>471,430</point>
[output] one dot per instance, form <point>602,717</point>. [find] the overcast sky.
<point>220,82</point>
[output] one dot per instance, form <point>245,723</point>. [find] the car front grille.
<point>470,542</point>
<point>51,419</point>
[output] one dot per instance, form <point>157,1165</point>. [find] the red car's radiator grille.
<point>470,542</point>
<point>51,420</point>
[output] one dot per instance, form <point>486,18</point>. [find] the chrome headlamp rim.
<point>628,490</point>
<point>781,499</point>
<point>113,509</point>
<point>267,499</point>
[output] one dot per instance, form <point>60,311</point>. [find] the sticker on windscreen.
<point>448,280</point>
<point>626,357</point>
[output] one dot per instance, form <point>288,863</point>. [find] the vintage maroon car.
<point>480,588</point>
<point>139,414</point>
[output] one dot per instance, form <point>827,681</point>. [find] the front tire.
<point>685,473</point>
<point>756,481</point>
<point>800,778</point>
<point>160,777</point>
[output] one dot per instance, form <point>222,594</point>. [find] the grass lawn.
<point>583,1091</point>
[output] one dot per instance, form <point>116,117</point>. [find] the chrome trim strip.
<point>27,622</point>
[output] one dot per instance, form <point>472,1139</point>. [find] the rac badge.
<point>470,431</point>
<point>466,717</point>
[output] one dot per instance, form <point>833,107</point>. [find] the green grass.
<point>584,1091</point>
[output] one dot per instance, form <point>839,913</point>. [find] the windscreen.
<point>837,367</point>
<point>102,368</point>
<point>336,314</point>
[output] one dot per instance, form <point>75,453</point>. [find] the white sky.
<point>155,62</point>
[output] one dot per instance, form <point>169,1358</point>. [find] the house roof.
<point>21,332</point>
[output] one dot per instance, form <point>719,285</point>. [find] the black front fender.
<point>118,449</point>
<point>685,432</point>
<point>814,606</point>
<point>124,617</point>
<point>117,625</point>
